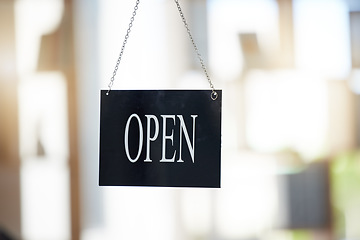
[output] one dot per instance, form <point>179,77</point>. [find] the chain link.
<point>214,94</point>
<point>123,46</point>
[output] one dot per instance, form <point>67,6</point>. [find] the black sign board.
<point>160,138</point>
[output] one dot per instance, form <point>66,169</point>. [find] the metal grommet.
<point>214,95</point>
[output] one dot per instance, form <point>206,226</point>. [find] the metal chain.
<point>214,94</point>
<point>123,46</point>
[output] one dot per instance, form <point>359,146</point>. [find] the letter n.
<point>183,129</point>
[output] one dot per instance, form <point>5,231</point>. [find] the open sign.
<point>160,138</point>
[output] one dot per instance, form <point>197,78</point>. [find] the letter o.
<point>126,137</point>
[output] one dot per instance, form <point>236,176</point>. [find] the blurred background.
<point>290,74</point>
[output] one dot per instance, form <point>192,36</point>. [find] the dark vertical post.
<point>355,62</point>
<point>10,207</point>
<point>68,65</point>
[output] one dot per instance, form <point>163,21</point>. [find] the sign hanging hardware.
<point>214,94</point>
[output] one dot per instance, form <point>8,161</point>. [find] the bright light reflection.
<point>139,213</point>
<point>287,110</point>
<point>322,37</point>
<point>45,200</point>
<point>45,204</point>
<point>245,206</point>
